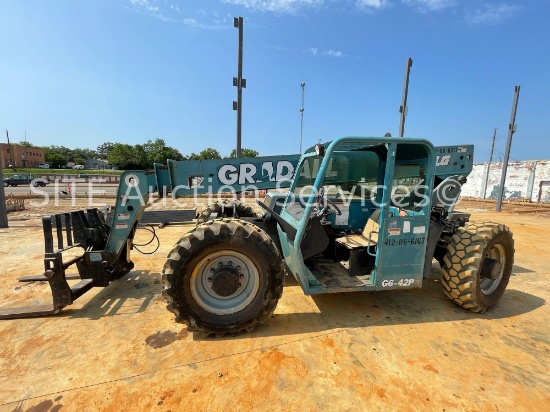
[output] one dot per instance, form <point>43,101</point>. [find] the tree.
<point>70,155</point>
<point>26,144</point>
<point>158,152</point>
<point>208,153</point>
<point>139,159</point>
<point>83,153</point>
<point>56,160</point>
<point>76,155</point>
<point>127,157</point>
<point>59,150</point>
<point>104,149</point>
<point>244,153</point>
<point>79,160</point>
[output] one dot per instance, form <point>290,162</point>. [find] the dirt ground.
<point>118,348</point>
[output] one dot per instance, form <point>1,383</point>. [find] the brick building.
<point>20,156</point>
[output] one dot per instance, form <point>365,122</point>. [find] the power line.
<point>515,160</point>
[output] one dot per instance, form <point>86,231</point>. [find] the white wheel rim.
<point>201,282</point>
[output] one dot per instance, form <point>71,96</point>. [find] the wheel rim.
<point>497,252</point>
<point>224,282</point>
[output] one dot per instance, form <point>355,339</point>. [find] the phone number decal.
<point>404,242</point>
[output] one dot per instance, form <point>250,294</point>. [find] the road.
<point>95,188</point>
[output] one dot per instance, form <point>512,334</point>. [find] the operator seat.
<point>361,260</point>
<point>361,240</point>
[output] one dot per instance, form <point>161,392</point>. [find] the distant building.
<point>20,156</point>
<point>96,164</point>
<point>527,179</point>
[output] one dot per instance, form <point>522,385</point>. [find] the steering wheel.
<point>325,209</point>
<point>338,211</point>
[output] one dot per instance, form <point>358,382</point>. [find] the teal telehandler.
<point>359,214</point>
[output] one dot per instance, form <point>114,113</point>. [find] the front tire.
<point>478,265</point>
<point>224,276</point>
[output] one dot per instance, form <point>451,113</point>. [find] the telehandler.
<point>361,214</point>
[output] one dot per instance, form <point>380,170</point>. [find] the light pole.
<point>303,85</point>
<point>403,109</point>
<point>239,83</point>
<point>511,130</point>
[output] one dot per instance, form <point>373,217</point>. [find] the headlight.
<point>319,149</point>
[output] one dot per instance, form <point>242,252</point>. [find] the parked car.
<point>43,166</point>
<point>79,167</point>
<point>16,180</point>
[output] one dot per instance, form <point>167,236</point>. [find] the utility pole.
<point>3,207</point>
<point>10,150</point>
<point>511,130</point>
<point>25,158</point>
<point>403,109</point>
<point>239,82</point>
<point>303,85</point>
<point>489,165</point>
<point>493,145</point>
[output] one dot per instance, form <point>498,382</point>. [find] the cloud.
<point>332,53</point>
<point>278,6</point>
<point>171,13</point>
<point>490,14</point>
<point>325,53</point>
<point>430,5</point>
<point>371,4</point>
<point>274,47</point>
<point>176,8</point>
<point>146,5</point>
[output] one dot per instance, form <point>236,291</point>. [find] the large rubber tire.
<point>219,248</point>
<point>225,208</point>
<point>472,248</point>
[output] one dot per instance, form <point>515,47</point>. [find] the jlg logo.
<point>443,160</point>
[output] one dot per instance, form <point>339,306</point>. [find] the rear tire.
<point>478,265</point>
<point>226,208</point>
<point>224,276</point>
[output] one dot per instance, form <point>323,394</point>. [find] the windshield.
<point>347,174</point>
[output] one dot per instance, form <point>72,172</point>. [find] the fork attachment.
<point>105,244</point>
<point>96,266</point>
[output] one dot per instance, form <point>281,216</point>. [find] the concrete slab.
<point>118,348</point>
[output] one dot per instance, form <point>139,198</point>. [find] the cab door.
<point>404,216</point>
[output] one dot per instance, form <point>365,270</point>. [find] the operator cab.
<point>359,214</point>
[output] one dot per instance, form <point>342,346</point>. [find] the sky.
<point>81,73</point>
